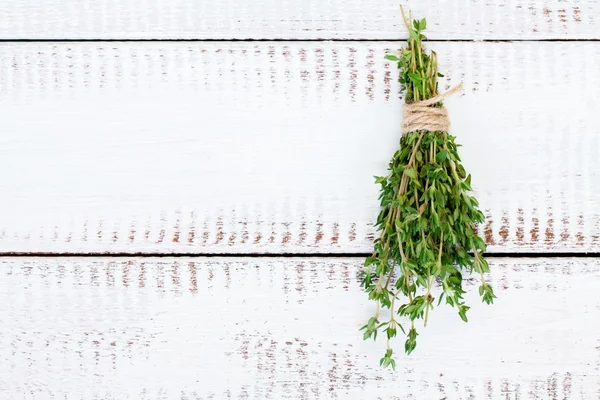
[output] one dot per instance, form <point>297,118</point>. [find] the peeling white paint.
<point>271,147</point>
<point>277,328</point>
<point>296,19</point>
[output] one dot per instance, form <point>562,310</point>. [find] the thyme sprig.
<point>427,223</point>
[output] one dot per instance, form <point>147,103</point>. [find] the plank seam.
<point>430,40</point>
<point>279,255</point>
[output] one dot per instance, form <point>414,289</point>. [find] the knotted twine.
<point>421,116</point>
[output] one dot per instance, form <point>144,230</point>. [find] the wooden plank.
<point>296,19</point>
<point>285,328</point>
<point>270,148</point>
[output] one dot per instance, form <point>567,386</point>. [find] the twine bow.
<point>422,117</point>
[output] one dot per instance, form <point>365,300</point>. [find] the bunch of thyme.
<point>427,224</point>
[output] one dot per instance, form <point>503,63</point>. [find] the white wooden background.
<point>272,147</point>
<point>296,19</point>
<point>273,328</point>
<point>251,128</point>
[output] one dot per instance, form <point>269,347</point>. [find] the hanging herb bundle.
<point>427,224</point>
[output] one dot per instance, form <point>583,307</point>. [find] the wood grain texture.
<point>193,328</point>
<point>296,19</point>
<point>270,148</point>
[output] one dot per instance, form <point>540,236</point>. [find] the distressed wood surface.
<point>194,328</point>
<point>296,19</point>
<point>270,148</point>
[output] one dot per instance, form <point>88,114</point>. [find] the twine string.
<point>422,117</point>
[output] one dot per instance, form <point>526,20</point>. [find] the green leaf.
<point>412,217</point>
<point>410,173</point>
<point>440,299</point>
<point>423,24</point>
<point>391,57</point>
<point>415,78</point>
<point>441,156</point>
